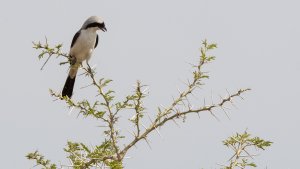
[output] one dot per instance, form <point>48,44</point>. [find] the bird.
<point>83,44</point>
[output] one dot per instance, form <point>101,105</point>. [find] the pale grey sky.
<point>154,41</point>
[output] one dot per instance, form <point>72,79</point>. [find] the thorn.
<point>198,115</point>
<point>158,132</point>
<point>234,105</point>
<point>182,81</point>
<point>193,65</point>
<point>241,97</point>
<point>149,118</point>
<point>133,117</point>
<point>195,97</point>
<point>214,116</point>
<point>86,86</point>
<point>183,103</point>
<point>176,123</point>
<point>211,97</point>
<point>132,133</point>
<point>225,112</point>
<point>144,126</point>
<point>147,143</point>
<point>190,106</point>
<point>249,154</point>
<point>146,90</point>
<point>228,93</point>
<point>78,114</point>
<point>46,61</point>
<point>226,107</point>
<point>83,73</point>
<point>46,40</point>
<point>102,126</point>
<point>163,107</point>
<point>189,83</point>
<point>173,98</point>
<point>55,99</point>
<point>70,112</point>
<point>179,90</point>
<point>221,98</point>
<point>94,66</point>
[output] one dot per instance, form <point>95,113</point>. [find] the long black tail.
<point>68,88</point>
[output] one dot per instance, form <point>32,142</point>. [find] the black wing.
<point>96,42</point>
<point>75,38</point>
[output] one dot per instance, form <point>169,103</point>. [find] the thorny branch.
<point>109,152</point>
<point>158,123</point>
<point>138,107</point>
<point>50,51</point>
<point>112,116</point>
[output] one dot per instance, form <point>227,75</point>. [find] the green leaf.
<point>99,114</point>
<point>252,164</point>
<point>212,46</point>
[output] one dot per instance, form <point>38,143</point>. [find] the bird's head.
<point>94,22</point>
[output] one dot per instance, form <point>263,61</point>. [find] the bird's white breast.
<point>84,45</point>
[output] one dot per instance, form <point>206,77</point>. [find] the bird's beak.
<point>103,29</point>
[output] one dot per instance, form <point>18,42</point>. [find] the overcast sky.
<point>154,41</point>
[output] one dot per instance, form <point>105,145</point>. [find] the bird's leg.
<point>72,60</point>
<point>89,67</point>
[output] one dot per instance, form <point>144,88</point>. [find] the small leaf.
<point>252,164</point>
<point>212,46</point>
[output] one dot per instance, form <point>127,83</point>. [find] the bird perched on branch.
<point>83,44</point>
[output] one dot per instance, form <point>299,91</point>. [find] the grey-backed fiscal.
<point>83,44</point>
